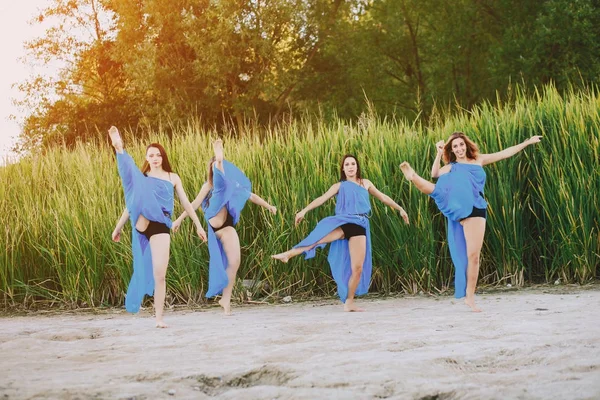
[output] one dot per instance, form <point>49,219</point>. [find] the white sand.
<point>533,344</point>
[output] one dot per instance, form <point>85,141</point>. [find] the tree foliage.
<point>140,63</point>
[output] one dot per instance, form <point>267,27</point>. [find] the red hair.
<point>472,149</point>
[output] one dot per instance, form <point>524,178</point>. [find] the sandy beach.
<point>541,343</point>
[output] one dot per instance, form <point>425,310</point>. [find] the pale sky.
<point>14,31</point>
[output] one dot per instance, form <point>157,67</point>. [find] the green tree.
<point>90,83</point>
<point>553,40</point>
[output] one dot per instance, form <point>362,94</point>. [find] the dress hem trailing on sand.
<point>455,194</point>
<point>352,207</point>
<point>152,198</point>
<point>231,189</point>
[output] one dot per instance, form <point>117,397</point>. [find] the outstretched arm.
<point>187,206</point>
<point>116,235</point>
<point>195,204</point>
<point>256,199</point>
<point>387,200</point>
<point>508,152</point>
<point>318,202</point>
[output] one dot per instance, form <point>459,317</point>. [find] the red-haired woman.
<point>149,206</point>
<point>348,231</point>
<point>459,195</point>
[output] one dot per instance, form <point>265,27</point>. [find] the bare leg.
<point>131,176</point>
<point>218,149</point>
<point>115,139</point>
<point>332,236</point>
<point>159,246</point>
<point>422,184</point>
<point>358,250</point>
<point>231,245</point>
<point>474,228</point>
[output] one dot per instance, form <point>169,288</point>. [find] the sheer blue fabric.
<point>231,189</point>
<point>352,206</point>
<point>152,198</point>
<point>456,193</point>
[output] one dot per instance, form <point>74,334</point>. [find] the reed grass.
<point>58,209</point>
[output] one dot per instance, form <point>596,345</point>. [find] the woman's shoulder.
<point>363,183</point>
<point>367,184</point>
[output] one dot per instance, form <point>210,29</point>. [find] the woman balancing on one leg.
<point>222,198</point>
<point>149,205</point>
<point>459,196</point>
<point>347,231</point>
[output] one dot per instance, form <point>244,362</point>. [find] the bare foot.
<point>471,303</point>
<point>283,257</point>
<point>218,149</point>
<point>407,170</point>
<point>349,306</point>
<point>115,139</point>
<point>161,324</point>
<point>226,306</point>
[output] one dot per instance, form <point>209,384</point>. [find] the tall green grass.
<point>58,209</point>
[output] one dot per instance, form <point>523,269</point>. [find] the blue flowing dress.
<point>455,194</point>
<point>353,207</point>
<point>231,189</point>
<point>152,198</point>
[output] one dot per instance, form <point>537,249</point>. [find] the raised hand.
<point>534,139</point>
<point>440,147</point>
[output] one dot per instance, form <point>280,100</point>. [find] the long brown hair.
<point>472,149</point>
<point>343,174</point>
<point>165,160</point>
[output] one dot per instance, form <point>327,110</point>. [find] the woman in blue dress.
<point>348,232</point>
<point>149,206</point>
<point>458,194</point>
<point>222,198</point>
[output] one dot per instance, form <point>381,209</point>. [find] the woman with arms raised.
<point>348,231</point>
<point>459,195</point>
